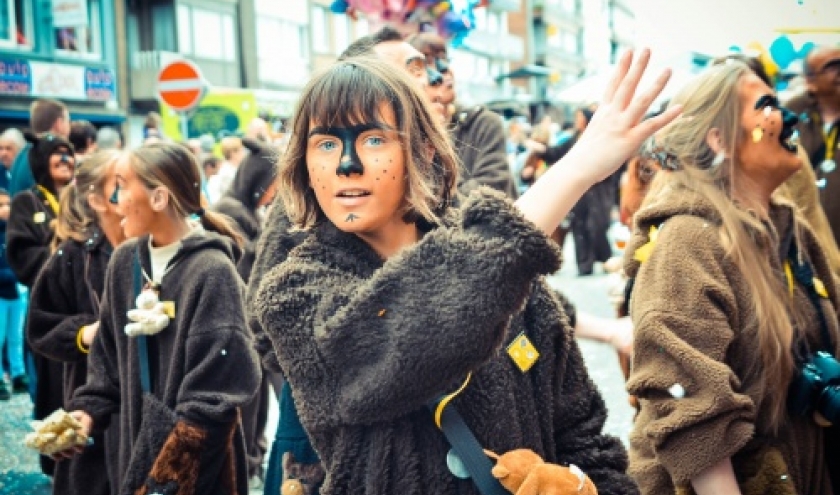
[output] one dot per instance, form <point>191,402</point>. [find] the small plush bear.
<point>58,431</point>
<point>149,317</point>
<point>523,472</point>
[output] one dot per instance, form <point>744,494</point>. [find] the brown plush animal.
<point>523,472</point>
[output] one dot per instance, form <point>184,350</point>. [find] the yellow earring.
<point>757,134</point>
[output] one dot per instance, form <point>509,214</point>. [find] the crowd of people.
<point>380,274</point>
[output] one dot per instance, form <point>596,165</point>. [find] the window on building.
<point>289,66</point>
<point>570,41</point>
<point>184,29</point>
<point>341,32</point>
<point>205,33</point>
<point>362,28</point>
<point>78,29</point>
<point>320,30</point>
<point>570,6</point>
<point>16,27</point>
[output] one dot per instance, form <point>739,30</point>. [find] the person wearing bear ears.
<point>172,291</point>
<point>28,236</point>
<point>733,297</point>
<point>64,307</point>
<point>396,297</point>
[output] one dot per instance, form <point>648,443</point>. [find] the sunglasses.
<point>830,67</point>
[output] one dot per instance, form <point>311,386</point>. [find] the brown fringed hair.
<point>350,93</point>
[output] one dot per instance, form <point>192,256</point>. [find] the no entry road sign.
<point>181,86</point>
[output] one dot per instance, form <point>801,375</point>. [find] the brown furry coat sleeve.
<point>377,348</point>
<point>686,315</point>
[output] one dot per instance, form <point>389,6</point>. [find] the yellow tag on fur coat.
<point>819,287</point>
<point>169,308</point>
<point>643,253</point>
<point>523,353</point>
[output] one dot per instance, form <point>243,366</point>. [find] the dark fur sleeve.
<point>100,395</point>
<point>27,242</point>
<point>377,349</point>
<point>54,314</point>
<point>273,247</point>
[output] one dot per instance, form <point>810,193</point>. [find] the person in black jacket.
<point>12,308</point>
<point>397,298</point>
<point>182,434</point>
<point>28,237</point>
<point>64,305</point>
<point>477,133</point>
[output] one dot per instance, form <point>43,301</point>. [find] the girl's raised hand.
<point>616,130</point>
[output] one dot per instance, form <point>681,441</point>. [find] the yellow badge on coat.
<point>643,252</point>
<point>39,217</point>
<point>169,308</point>
<point>522,352</point>
<point>819,287</point>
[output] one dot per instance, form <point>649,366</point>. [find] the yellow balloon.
<point>440,8</point>
<point>551,30</point>
<point>770,66</point>
<point>554,77</point>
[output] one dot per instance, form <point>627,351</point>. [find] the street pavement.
<point>20,473</point>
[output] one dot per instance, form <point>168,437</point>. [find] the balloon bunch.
<point>451,19</point>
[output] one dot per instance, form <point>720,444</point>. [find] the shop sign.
<point>15,77</point>
<point>20,77</point>
<point>70,13</point>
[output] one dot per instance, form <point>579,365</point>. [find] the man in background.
<point>477,133</point>
<point>818,108</point>
<point>45,116</point>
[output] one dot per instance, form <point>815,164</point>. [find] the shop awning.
<point>527,71</point>
<point>92,117</point>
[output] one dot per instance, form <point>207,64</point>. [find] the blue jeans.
<point>12,312</point>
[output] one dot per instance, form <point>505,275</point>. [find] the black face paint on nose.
<point>435,77</point>
<point>789,119</point>
<point>115,197</point>
<point>349,162</point>
<point>442,65</point>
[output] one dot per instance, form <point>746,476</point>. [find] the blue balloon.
<point>339,6</point>
<point>782,52</point>
<point>806,48</point>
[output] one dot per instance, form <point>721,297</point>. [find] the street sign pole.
<point>185,125</point>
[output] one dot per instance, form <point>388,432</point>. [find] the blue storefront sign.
<point>15,77</point>
<point>21,77</point>
<point>100,84</point>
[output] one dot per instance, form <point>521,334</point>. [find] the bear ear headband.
<point>666,159</point>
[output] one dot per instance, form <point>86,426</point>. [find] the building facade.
<point>65,50</point>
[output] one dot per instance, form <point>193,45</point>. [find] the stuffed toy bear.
<point>149,317</point>
<point>523,472</point>
<point>58,431</point>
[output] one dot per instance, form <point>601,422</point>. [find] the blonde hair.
<point>230,145</point>
<point>712,101</point>
<point>349,93</point>
<point>174,167</point>
<point>75,216</point>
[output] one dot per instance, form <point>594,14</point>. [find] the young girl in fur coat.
<point>172,355</point>
<point>396,298</point>
<point>64,304</point>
